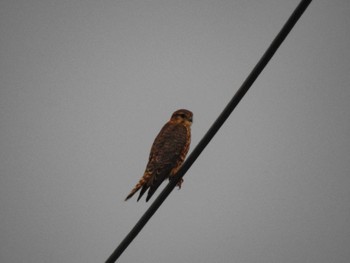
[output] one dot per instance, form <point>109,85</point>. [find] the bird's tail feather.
<point>153,188</point>
<point>142,183</point>
<point>143,190</point>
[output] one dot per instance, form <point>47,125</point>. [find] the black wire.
<point>213,129</point>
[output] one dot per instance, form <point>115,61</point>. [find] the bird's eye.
<point>182,115</point>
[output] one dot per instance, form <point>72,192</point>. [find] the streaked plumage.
<point>168,152</point>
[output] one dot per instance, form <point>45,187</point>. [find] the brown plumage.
<point>168,152</point>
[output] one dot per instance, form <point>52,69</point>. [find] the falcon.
<point>167,154</point>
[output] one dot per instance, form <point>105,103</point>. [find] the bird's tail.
<point>143,182</point>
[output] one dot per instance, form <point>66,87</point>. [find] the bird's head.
<point>182,116</point>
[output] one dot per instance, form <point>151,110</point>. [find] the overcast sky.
<point>85,86</point>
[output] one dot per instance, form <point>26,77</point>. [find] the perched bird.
<point>167,154</point>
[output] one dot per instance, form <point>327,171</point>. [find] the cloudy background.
<point>85,86</point>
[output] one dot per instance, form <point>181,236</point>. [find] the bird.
<point>167,154</point>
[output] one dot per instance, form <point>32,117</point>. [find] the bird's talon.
<point>179,183</point>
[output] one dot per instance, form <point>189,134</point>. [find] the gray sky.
<point>86,86</point>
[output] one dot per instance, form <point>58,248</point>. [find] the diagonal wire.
<point>213,129</point>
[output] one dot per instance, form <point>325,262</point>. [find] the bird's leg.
<point>179,183</point>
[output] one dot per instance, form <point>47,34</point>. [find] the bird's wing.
<point>166,151</point>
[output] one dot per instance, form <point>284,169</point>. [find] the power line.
<point>213,129</point>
